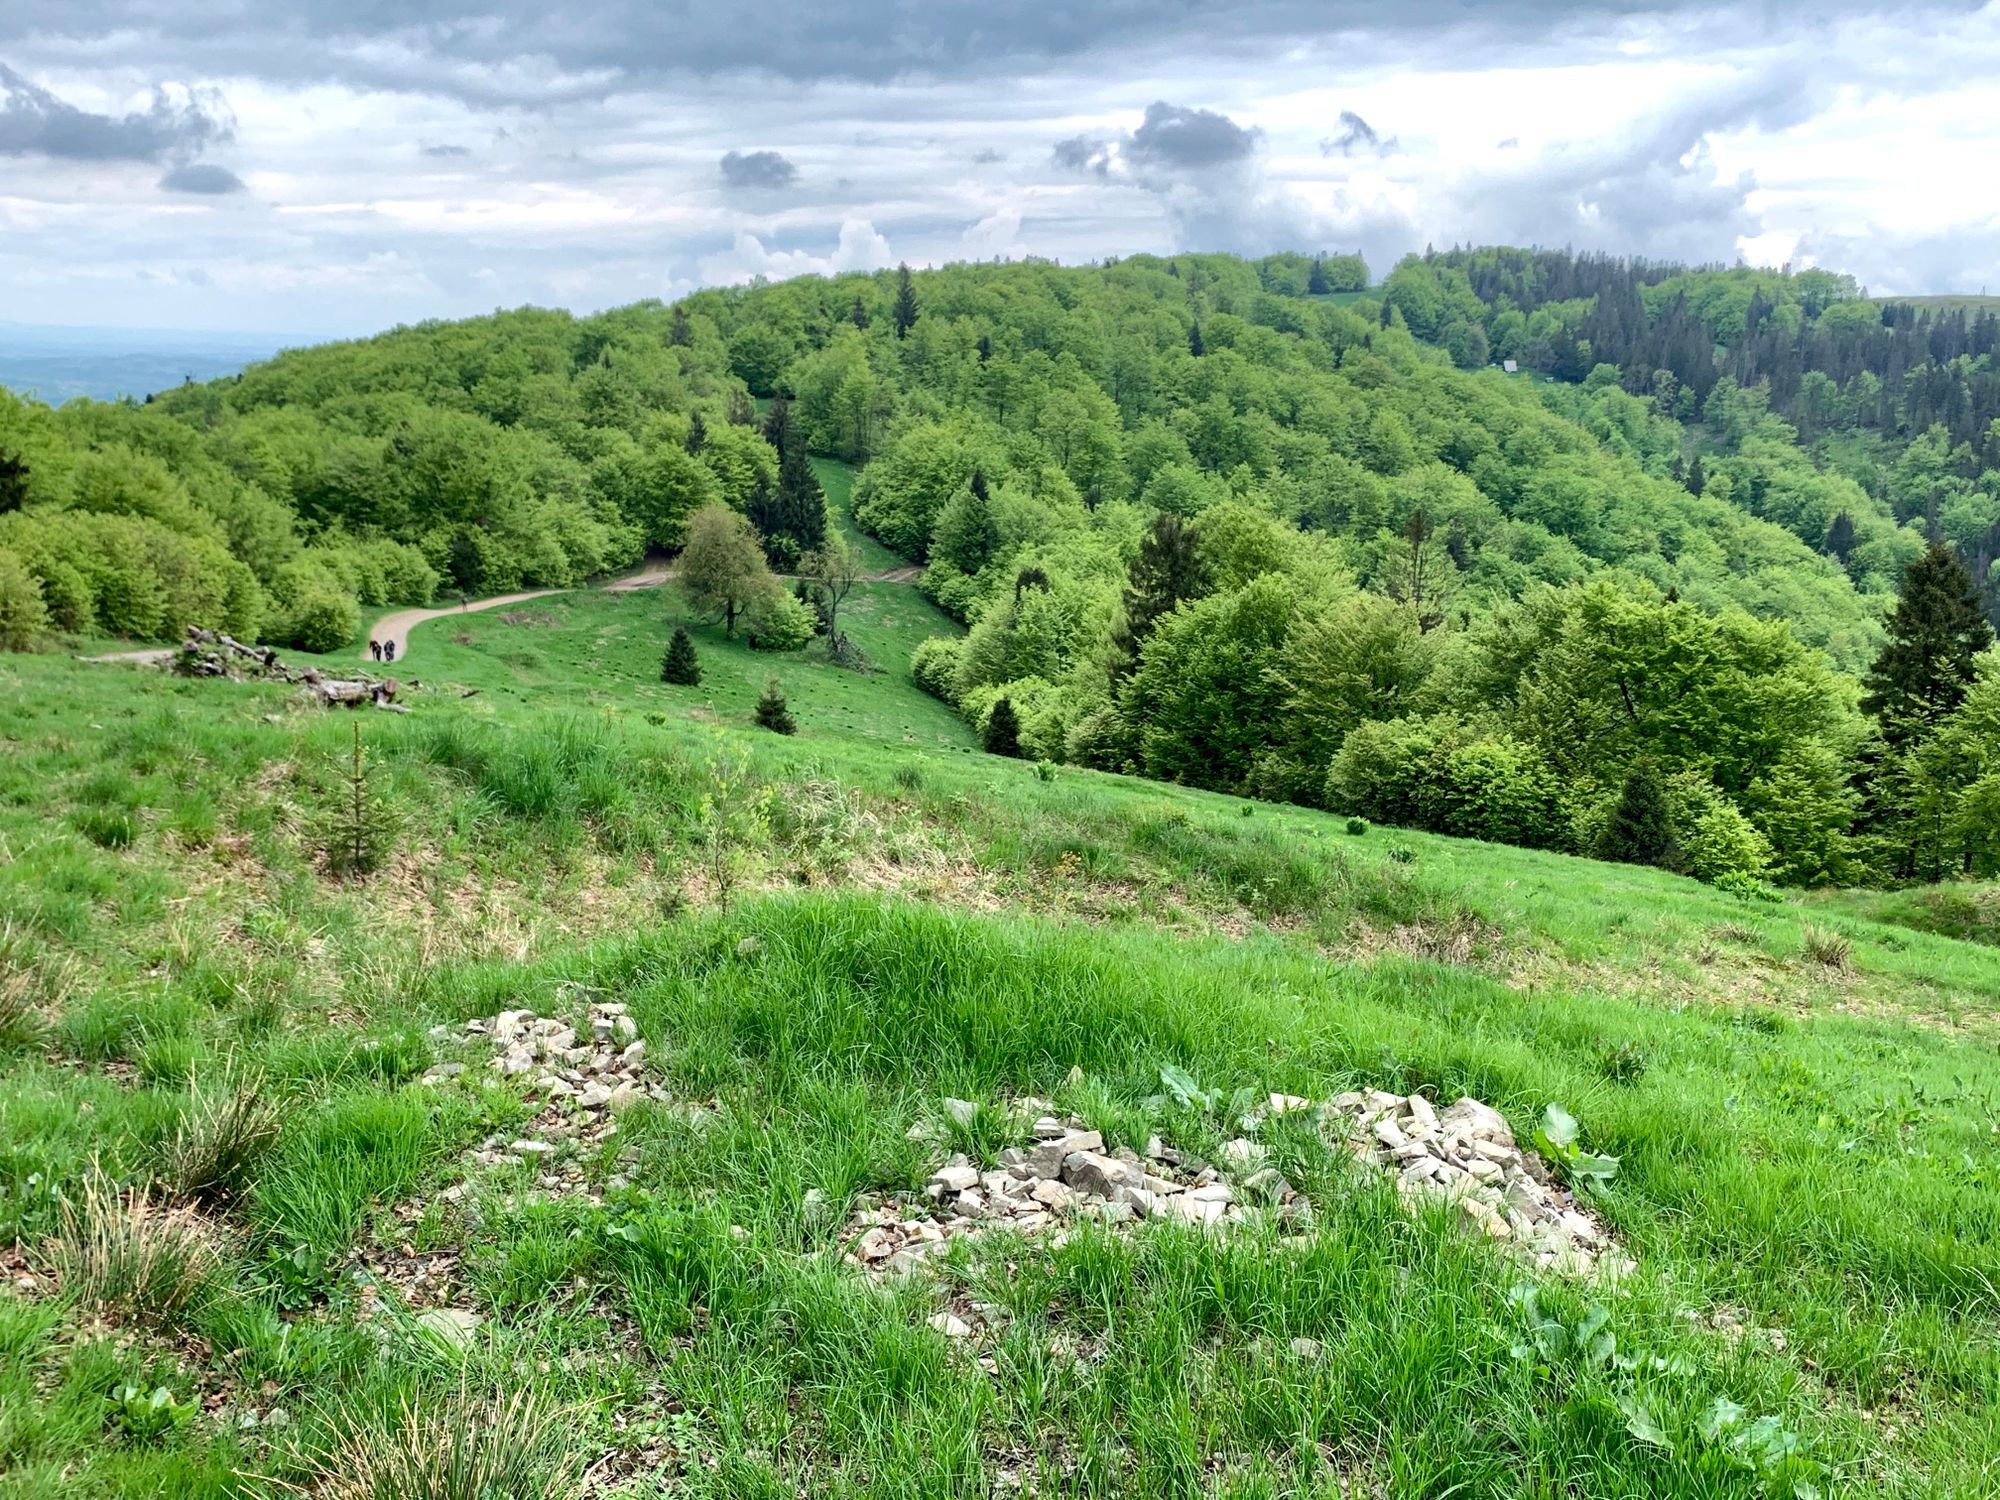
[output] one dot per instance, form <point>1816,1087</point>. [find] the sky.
<point>315,168</point>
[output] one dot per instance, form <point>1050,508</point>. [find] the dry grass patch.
<point>130,1256</point>
<point>464,1447</point>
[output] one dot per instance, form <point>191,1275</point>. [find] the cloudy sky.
<point>334,166</point>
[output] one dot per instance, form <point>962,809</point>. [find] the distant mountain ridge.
<point>56,363</point>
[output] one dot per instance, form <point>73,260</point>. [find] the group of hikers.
<point>382,650</point>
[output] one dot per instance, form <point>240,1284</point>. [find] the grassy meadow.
<point>224,1177</point>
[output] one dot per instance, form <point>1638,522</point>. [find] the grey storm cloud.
<point>34,122</point>
<point>1084,153</point>
<point>1172,142</point>
<point>1180,139</point>
<point>1356,134</point>
<point>201,177</point>
<point>762,170</point>
<point>529,50</point>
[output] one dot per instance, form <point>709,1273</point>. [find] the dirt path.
<point>397,624</point>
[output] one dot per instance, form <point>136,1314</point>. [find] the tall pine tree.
<point>1840,537</point>
<point>1195,345</point>
<point>1316,284</point>
<point>1003,729</point>
<point>1640,830</point>
<point>1935,631</point>
<point>906,302</point>
<point>1167,572</point>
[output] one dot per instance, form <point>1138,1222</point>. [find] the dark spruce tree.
<point>1840,537</point>
<point>1316,284</point>
<point>1003,730</point>
<point>13,481</point>
<point>680,333</point>
<point>1935,631</point>
<point>771,711</point>
<point>906,302</point>
<point>859,317</point>
<point>1696,479</point>
<point>697,438</point>
<point>1166,573</point>
<point>1195,345</point>
<point>1640,830</point>
<point>680,666</point>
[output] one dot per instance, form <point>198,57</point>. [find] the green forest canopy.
<point>1406,583</point>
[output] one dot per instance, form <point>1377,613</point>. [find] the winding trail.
<point>397,624</point>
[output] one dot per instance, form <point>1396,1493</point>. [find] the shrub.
<point>934,665</point>
<point>1002,735</point>
<point>24,615</point>
<point>1717,842</point>
<point>223,1133</point>
<point>1045,770</point>
<point>779,622</point>
<point>1357,826</point>
<point>680,666</point>
<point>461,1447</point>
<point>322,621</point>
<point>771,711</point>
<point>130,1256</point>
<point>1098,740</point>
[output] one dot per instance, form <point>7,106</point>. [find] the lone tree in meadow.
<point>1003,730</point>
<point>722,567</point>
<point>680,666</point>
<point>1640,830</point>
<point>906,302</point>
<point>831,570</point>
<point>1936,631</point>
<point>771,710</point>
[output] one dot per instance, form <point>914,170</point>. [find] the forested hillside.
<point>1202,519</point>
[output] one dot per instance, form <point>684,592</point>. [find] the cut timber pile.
<point>208,653</point>
<point>1464,1154</point>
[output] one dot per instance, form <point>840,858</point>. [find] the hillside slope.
<point>822,941</point>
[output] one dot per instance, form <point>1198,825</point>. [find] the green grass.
<point>1809,1175</point>
<point>594,649</point>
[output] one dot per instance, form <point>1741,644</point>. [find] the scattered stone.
<point>1464,1154</point>
<point>1306,1348</point>
<point>453,1327</point>
<point>951,1325</point>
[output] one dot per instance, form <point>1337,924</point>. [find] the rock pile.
<point>584,1078</point>
<point>1064,1175</point>
<point>1465,1154</point>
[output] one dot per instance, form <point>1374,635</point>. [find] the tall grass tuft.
<point>1826,947</point>
<point>465,1447</point>
<point>224,1132</point>
<point>129,1255</point>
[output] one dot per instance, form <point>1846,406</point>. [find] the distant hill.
<point>57,364</point>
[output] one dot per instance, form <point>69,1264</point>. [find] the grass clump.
<point>493,1446</point>
<point>1827,947</point>
<point>128,1255</point>
<point>224,1133</point>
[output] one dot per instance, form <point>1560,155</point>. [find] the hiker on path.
<point>375,649</point>
<point>388,651</point>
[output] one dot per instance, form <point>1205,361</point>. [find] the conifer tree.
<point>1840,537</point>
<point>1003,730</point>
<point>1935,631</point>
<point>859,317</point>
<point>1167,572</point>
<point>1697,477</point>
<point>681,666</point>
<point>771,711</point>
<point>697,438</point>
<point>1316,284</point>
<point>906,302</point>
<point>360,829</point>
<point>680,332</point>
<point>13,481</point>
<point>1640,830</point>
<point>1195,346</point>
